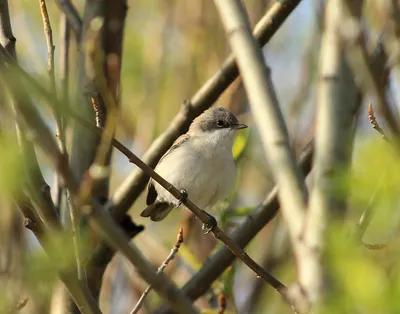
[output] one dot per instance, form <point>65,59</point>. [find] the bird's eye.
<point>220,124</point>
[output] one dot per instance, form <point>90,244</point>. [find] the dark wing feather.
<point>151,190</point>
<point>151,193</point>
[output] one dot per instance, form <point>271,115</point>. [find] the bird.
<point>200,164</point>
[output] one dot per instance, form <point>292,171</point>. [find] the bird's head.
<point>217,123</point>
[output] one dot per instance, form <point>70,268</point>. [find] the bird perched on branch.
<point>200,164</point>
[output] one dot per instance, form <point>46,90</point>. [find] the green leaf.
<point>240,143</point>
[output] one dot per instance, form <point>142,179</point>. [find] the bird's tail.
<point>157,211</point>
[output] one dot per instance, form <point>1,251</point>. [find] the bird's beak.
<point>239,126</point>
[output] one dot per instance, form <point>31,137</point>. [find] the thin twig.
<point>60,137</point>
<point>374,122</point>
<point>49,41</point>
<point>60,132</point>
<point>169,258</point>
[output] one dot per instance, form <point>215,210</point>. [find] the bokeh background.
<point>171,47</point>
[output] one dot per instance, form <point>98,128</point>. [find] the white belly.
<point>207,179</point>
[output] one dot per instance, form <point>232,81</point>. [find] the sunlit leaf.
<point>240,143</point>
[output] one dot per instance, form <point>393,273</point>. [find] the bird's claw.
<point>210,225</point>
<point>184,196</point>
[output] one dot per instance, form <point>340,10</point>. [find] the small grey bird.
<point>199,163</point>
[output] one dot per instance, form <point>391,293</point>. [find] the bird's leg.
<point>211,223</point>
<point>184,196</point>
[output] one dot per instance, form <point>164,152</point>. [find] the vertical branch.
<point>60,134</point>
<point>268,117</point>
<point>65,38</point>
<point>49,41</point>
<point>337,98</point>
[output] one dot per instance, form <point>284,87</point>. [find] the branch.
<point>169,258</point>
<point>72,16</point>
<point>211,90</point>
<point>49,41</point>
<point>37,185</point>
<point>268,117</point>
<point>337,100</point>
<point>7,39</point>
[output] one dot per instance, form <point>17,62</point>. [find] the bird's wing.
<point>179,141</point>
<point>151,190</point>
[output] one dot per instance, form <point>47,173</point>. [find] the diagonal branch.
<point>72,16</point>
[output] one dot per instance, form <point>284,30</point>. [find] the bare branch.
<point>49,41</point>
<point>169,258</point>
<point>337,101</point>
<point>268,117</point>
<point>72,16</point>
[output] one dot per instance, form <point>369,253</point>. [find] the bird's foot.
<point>210,225</point>
<point>184,196</point>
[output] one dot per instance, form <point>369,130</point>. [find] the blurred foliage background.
<point>171,47</point>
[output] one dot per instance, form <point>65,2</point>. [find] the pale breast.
<point>207,178</point>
